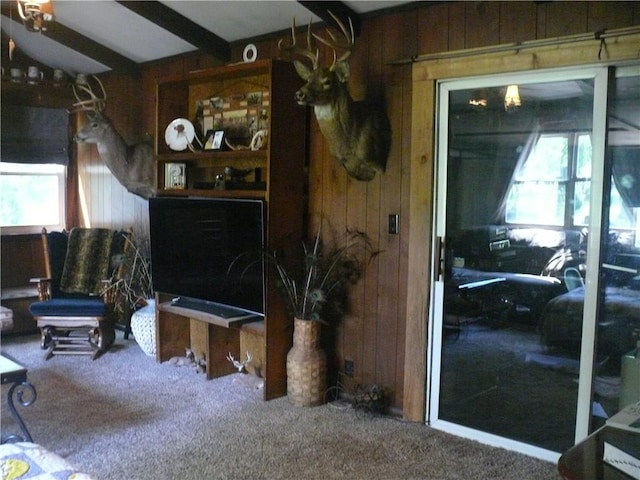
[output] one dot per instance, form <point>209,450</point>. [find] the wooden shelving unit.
<point>277,178</point>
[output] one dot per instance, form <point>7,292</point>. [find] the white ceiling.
<point>132,36</point>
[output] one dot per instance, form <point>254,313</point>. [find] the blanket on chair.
<point>87,262</point>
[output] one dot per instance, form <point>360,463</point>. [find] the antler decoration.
<point>296,49</point>
<point>240,365</point>
<point>93,103</point>
<point>334,44</point>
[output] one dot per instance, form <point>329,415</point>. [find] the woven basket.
<point>143,327</point>
<point>306,366</point>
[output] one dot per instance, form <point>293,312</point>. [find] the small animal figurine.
<point>187,361</point>
<point>201,364</point>
<point>241,366</point>
<point>250,380</point>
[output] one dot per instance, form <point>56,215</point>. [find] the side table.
<point>11,372</point>
<point>584,461</point>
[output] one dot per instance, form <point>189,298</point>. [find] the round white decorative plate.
<point>179,134</point>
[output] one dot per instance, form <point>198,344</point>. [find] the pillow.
<point>26,460</point>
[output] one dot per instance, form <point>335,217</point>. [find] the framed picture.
<point>175,176</point>
<point>214,139</point>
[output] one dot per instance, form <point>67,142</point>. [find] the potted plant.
<point>315,288</point>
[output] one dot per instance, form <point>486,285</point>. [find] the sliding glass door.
<point>616,378</point>
<point>525,222</point>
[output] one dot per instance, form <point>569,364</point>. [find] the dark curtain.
<point>34,135</point>
<point>626,173</point>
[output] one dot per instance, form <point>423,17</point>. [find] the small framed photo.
<point>214,140</point>
<point>175,176</point>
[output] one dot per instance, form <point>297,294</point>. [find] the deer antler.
<point>295,48</point>
<point>334,44</point>
<point>92,104</point>
<point>240,365</point>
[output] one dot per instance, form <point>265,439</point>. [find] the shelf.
<point>223,72</point>
<point>276,176</point>
<point>224,156</point>
<point>45,94</point>
<point>208,192</point>
<point>206,317</point>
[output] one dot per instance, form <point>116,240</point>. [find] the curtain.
<point>508,178</point>
<point>34,135</point>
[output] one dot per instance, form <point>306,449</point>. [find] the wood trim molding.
<point>420,261</point>
<point>604,52</point>
<point>614,51</point>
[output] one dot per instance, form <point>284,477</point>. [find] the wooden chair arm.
<point>44,288</point>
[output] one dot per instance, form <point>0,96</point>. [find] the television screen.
<point>193,243</point>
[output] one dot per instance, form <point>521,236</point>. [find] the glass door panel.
<point>617,377</point>
<point>517,183</point>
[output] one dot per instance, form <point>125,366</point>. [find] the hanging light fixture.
<point>512,98</point>
<point>35,14</point>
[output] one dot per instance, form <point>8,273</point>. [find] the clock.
<point>179,134</point>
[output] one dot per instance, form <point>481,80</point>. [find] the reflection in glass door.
<point>516,173</point>
<point>616,381</point>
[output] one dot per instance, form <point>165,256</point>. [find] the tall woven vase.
<point>306,366</point>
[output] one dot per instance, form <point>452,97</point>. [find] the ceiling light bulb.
<point>512,98</point>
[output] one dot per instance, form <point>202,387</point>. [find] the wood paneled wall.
<point>374,333</point>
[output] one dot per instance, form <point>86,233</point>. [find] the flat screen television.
<point>194,241</point>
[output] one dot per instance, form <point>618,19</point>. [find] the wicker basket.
<point>143,327</point>
<point>306,366</point>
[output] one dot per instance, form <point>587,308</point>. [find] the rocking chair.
<point>75,313</point>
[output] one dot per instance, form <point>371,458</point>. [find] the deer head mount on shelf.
<point>133,166</point>
<point>358,133</point>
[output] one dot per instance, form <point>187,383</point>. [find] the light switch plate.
<point>394,223</point>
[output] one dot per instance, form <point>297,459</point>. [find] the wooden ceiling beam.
<point>182,27</point>
<point>339,9</point>
<point>90,48</point>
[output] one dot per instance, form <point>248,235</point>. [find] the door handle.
<point>439,259</point>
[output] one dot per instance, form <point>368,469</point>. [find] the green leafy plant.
<point>316,285</point>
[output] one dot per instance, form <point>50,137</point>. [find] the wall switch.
<point>349,368</point>
<point>394,223</point>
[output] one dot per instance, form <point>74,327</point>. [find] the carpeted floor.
<point>124,416</point>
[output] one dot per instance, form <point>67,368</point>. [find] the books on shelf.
<point>627,419</point>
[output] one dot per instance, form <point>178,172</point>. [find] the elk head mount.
<point>133,166</point>
<point>358,132</point>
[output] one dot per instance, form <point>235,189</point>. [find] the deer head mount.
<point>358,133</point>
<point>133,166</point>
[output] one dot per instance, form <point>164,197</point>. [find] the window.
<point>32,196</point>
<point>552,186</point>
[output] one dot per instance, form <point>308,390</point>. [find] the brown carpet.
<point>124,416</point>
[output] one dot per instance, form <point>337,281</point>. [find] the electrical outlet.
<point>349,368</point>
